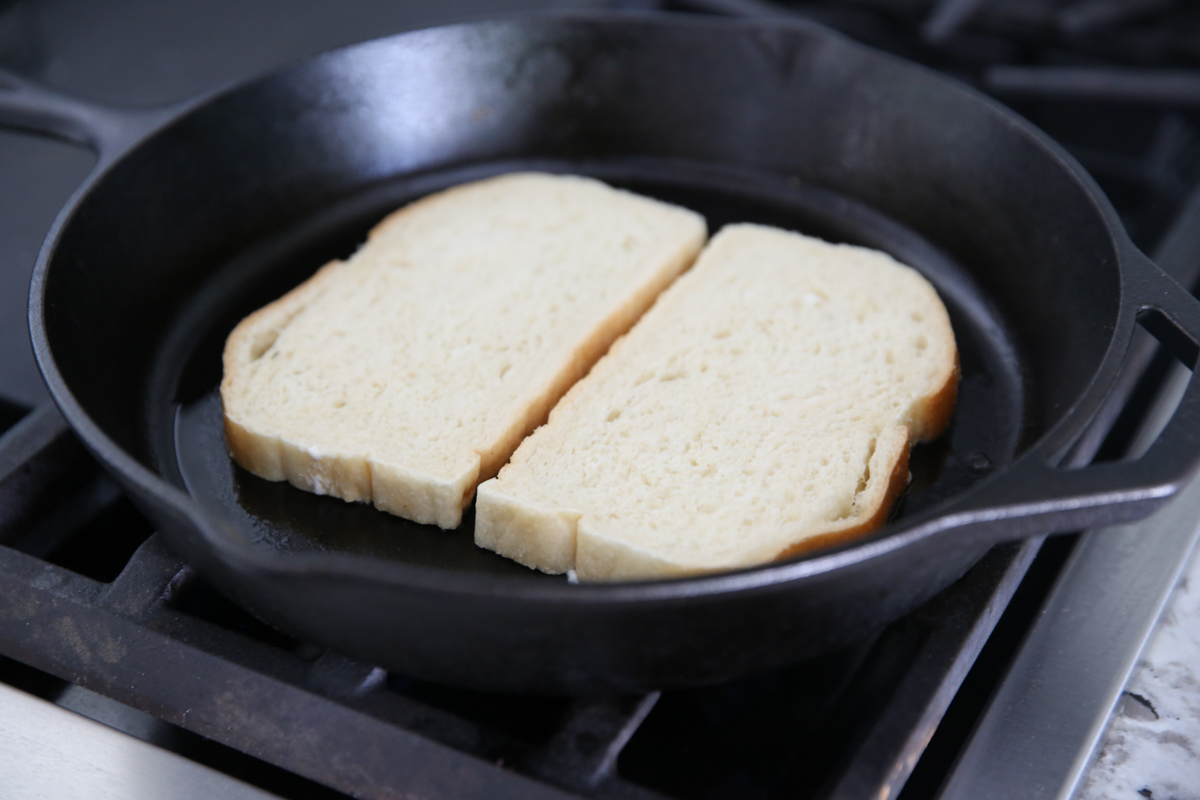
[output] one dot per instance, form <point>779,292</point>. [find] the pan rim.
<point>337,567</point>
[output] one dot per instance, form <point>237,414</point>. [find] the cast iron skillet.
<point>196,215</point>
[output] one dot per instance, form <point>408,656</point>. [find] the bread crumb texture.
<point>765,405</point>
<point>410,371</point>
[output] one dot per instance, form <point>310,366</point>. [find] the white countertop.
<point>1152,748</point>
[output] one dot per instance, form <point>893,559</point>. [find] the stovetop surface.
<point>823,728</point>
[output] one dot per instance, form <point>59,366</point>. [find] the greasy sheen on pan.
<point>764,406</point>
<point>407,373</point>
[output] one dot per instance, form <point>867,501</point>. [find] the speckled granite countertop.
<point>1152,749</point>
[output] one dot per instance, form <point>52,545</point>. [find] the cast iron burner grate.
<point>1116,82</point>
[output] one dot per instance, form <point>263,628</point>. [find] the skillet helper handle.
<point>30,106</point>
<point>1034,498</point>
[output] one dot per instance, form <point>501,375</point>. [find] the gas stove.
<point>1000,686</point>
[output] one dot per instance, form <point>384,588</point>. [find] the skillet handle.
<point>108,131</point>
<point>1033,498</point>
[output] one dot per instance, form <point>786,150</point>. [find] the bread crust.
<point>539,538</point>
<point>932,417</point>
<point>932,413</point>
<point>897,482</point>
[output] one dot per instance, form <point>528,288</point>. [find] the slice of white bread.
<point>763,407</point>
<point>409,372</point>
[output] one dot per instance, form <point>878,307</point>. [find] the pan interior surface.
<point>184,413</point>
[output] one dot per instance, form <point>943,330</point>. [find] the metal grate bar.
<point>39,457</point>
<point>948,16</point>
<point>77,629</point>
<point>1092,15</point>
<point>960,619</point>
<point>583,754</point>
<point>1147,86</point>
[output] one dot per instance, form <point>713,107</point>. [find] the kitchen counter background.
<point>1152,749</point>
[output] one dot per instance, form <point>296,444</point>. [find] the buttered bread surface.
<point>407,373</point>
<point>764,406</point>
